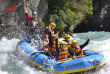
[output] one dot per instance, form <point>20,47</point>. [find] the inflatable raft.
<point>91,61</point>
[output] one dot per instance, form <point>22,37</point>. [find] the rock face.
<point>42,9</point>
<point>12,24</point>
<point>100,20</point>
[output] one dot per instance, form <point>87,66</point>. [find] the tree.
<point>66,13</point>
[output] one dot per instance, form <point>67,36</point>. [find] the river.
<point>10,63</point>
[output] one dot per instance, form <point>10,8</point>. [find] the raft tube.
<point>70,66</point>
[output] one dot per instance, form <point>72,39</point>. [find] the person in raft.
<point>45,41</point>
<point>67,39</point>
<point>32,25</point>
<point>53,44</point>
<point>64,51</point>
<point>78,48</point>
<point>50,27</point>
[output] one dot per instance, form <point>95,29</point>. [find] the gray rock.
<point>12,24</point>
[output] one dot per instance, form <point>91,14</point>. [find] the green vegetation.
<point>66,13</point>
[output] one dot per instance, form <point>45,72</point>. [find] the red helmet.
<point>46,35</point>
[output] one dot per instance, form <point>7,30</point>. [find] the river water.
<point>10,63</point>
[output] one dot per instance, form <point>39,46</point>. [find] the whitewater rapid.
<point>10,63</point>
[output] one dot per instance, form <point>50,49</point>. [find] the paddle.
<point>68,59</point>
<point>37,51</point>
<point>65,59</point>
<point>10,9</point>
<point>13,8</point>
<point>85,49</point>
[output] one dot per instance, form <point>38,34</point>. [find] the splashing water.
<point>10,63</point>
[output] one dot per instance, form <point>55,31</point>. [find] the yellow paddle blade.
<point>37,51</point>
<point>85,49</point>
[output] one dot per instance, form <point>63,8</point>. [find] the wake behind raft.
<point>90,61</point>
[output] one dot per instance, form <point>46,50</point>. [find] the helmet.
<point>52,24</point>
<point>63,42</point>
<point>73,41</point>
<point>34,13</point>
<point>54,35</point>
<point>67,36</point>
<point>46,35</point>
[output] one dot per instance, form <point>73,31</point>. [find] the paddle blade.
<point>85,49</point>
<point>10,9</point>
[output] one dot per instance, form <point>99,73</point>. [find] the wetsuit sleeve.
<point>57,49</point>
<point>56,44</point>
<point>72,53</point>
<point>28,17</point>
<point>50,40</point>
<point>83,45</point>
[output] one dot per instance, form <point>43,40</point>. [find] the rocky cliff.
<point>100,20</point>
<point>12,24</point>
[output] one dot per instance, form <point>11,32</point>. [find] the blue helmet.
<point>34,13</point>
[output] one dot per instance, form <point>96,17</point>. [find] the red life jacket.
<point>33,24</point>
<point>37,23</point>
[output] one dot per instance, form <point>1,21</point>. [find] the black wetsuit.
<point>85,44</point>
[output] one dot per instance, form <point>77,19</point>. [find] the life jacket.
<point>63,53</point>
<point>78,51</point>
<point>58,44</point>
<point>52,49</point>
<point>68,43</point>
<point>34,24</point>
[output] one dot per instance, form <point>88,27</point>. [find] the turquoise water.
<point>10,63</point>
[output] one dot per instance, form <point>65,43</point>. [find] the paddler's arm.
<point>24,5</point>
<point>56,41</point>
<point>72,53</point>
<point>57,49</point>
<point>86,43</point>
<point>50,39</point>
<point>56,44</point>
<point>28,17</point>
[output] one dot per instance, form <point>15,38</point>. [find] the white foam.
<point>3,72</point>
